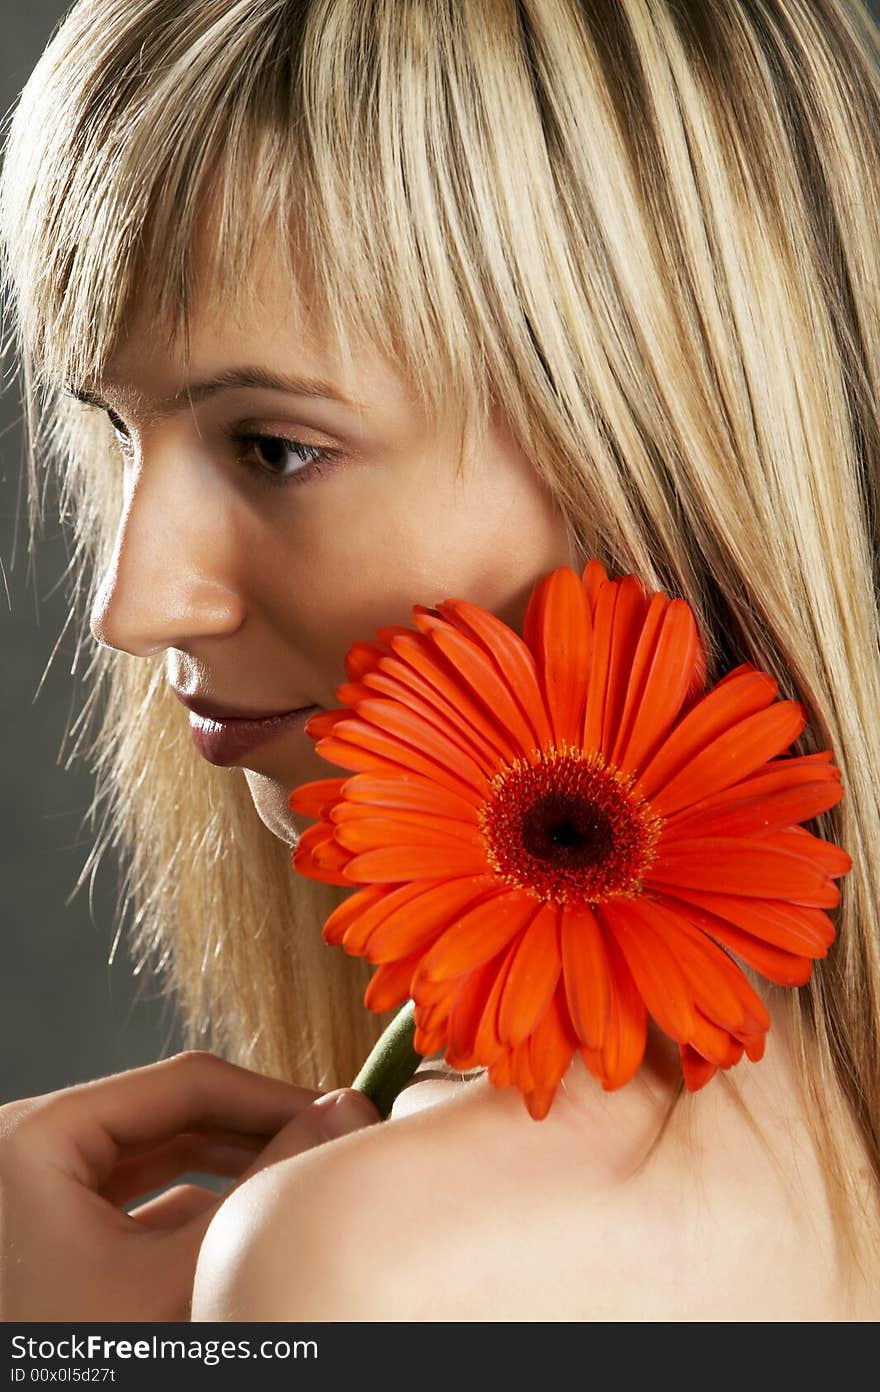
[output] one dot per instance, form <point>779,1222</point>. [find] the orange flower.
<point>558,833</point>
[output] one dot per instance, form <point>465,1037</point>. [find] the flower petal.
<point>757,805</point>
<point>309,798</point>
<point>646,643</point>
<point>627,1032</point>
<point>409,792</point>
<point>434,1000</point>
<point>405,725</point>
<point>417,662</point>
<point>324,722</point>
<point>379,743</point>
<point>754,1046</point>
<point>715,983</point>
<point>696,1070</point>
<point>714,1043</point>
<point>346,811</point>
<point>539,1100</point>
<point>427,1042</point>
<point>488,1048</point>
<point>593,578</point>
<point>630,613</point>
<point>552,1046</point>
<point>775,963</point>
<point>796,928</point>
<point>447,722</point>
<point>417,667</point>
<point>389,985</point>
<point>599,665</point>
<point>728,864</point>
<point>467,1012</point>
<point>654,967</point>
<point>588,981</point>
<point>351,908</point>
<point>362,657</point>
<point>834,860</point>
<point>422,919</point>
<point>499,1069</point>
<point>358,936</point>
<point>366,760</point>
<point>349,693</point>
<point>482,676</point>
<point>532,978</point>
<point>513,658</point>
<point>481,932</point>
<point>731,756</point>
<point>316,855</point>
<point>665,685</point>
<point>361,833</point>
<point>413,862</point>
<point>562,635</point>
<point>741,693</point>
<point>521,1074</point>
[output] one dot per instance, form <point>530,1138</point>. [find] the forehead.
<point>267,332</point>
<point>274,296</point>
<point>262,315</point>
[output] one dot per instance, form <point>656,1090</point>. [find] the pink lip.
<point>224,742</point>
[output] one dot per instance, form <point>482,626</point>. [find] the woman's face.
<point>255,573</point>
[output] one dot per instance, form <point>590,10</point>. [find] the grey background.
<point>66,1013</point>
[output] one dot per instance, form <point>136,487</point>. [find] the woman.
<point>546,280</point>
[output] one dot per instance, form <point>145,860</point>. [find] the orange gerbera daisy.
<point>559,833</point>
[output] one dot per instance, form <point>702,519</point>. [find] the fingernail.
<point>344,1111</point>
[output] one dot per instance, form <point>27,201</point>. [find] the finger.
<point>148,1105</point>
<point>222,1135</point>
<point>327,1119</point>
<point>335,1114</point>
<point>142,1173</point>
<point>177,1205</point>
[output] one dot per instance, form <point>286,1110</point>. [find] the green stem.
<point>391,1062</point>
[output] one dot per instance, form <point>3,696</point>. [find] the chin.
<point>270,800</point>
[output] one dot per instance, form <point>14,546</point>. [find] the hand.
<point>71,1160</point>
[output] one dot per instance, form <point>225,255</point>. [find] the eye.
<point>120,431</point>
<point>267,455</point>
<point>270,455</point>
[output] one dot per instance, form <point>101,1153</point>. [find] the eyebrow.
<point>232,377</point>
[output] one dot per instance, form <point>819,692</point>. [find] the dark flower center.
<point>564,825</point>
<point>567,831</point>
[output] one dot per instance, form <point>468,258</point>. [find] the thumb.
<point>341,1111</point>
<point>330,1116</point>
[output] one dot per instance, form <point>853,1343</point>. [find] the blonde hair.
<point>648,231</point>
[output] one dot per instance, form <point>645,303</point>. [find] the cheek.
<point>366,552</point>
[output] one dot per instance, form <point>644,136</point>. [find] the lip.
<point>225,741</point>
<point>214,711</point>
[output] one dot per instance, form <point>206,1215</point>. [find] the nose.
<point>172,577</point>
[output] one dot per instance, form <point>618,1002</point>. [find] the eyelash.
<point>321,462</point>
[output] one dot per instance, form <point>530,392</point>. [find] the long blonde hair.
<point>648,231</point>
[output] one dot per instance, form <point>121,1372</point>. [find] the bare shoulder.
<point>363,1227</point>
<point>461,1207</point>
<point>420,1218</point>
